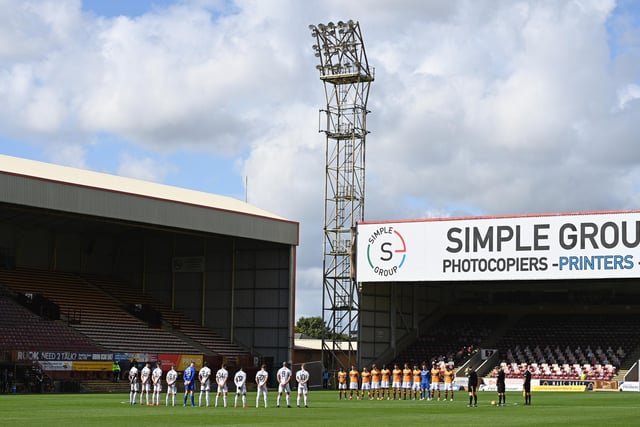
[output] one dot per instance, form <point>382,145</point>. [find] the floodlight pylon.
<point>346,75</point>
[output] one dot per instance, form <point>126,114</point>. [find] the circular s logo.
<point>386,251</point>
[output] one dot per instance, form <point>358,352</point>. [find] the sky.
<point>480,107</point>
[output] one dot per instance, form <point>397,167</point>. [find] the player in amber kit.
<point>417,381</point>
<point>406,381</point>
<point>375,382</point>
<point>397,381</point>
<point>366,383</point>
<point>449,375</point>
<point>354,379</point>
<point>385,381</point>
<point>342,383</point>
<point>435,380</point>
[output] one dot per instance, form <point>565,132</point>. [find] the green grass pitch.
<point>548,409</point>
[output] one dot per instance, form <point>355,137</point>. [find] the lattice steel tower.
<point>346,75</point>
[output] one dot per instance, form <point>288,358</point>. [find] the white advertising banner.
<point>542,247</point>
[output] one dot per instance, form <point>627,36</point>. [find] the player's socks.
<point>200,399</point>
<point>224,399</point>
<point>193,401</point>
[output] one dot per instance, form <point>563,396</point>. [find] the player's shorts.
<point>406,385</point>
<point>284,388</point>
<point>353,386</point>
<point>146,387</point>
<point>527,387</point>
<point>303,388</point>
<point>375,385</point>
<point>435,386</point>
<point>448,386</point>
<point>134,386</point>
<point>425,386</point>
<point>222,388</point>
<point>262,389</point>
<point>366,386</point>
<point>157,387</point>
<point>416,387</point>
<point>242,389</point>
<point>501,387</point>
<point>396,384</point>
<point>342,386</point>
<point>190,387</point>
<point>384,384</point>
<point>172,389</point>
<point>472,388</point>
<point>206,386</point>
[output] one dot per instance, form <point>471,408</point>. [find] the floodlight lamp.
<point>350,23</point>
<point>321,27</point>
<point>331,25</point>
<point>312,27</point>
<point>340,24</point>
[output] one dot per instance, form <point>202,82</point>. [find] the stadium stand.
<point>568,346</point>
<point>22,329</point>
<point>452,338</point>
<point>95,314</point>
<point>177,322</point>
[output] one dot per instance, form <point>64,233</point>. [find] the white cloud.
<point>144,168</point>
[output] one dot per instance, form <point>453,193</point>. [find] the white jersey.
<point>145,374</point>
<point>283,375</point>
<point>302,377</point>
<point>221,378</point>
<point>133,375</point>
<point>204,374</point>
<point>240,379</point>
<point>261,378</point>
<point>172,377</point>
<point>156,375</point>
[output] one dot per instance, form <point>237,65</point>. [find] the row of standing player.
<point>416,384</point>
<point>146,380</point>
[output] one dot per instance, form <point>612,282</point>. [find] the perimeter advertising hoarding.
<point>576,246</point>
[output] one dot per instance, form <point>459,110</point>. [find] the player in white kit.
<point>156,379</point>
<point>261,383</point>
<point>284,376</point>
<point>205,384</point>
<point>302,377</point>
<point>133,381</point>
<point>221,378</point>
<point>172,388</point>
<point>240,380</point>
<point>145,380</point>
